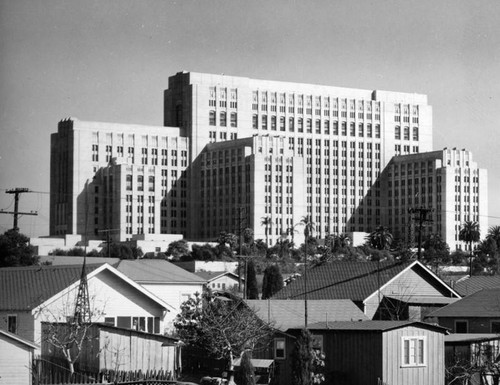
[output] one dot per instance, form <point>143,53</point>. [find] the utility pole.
<point>421,218</point>
<point>17,191</point>
<point>241,221</point>
<point>108,239</point>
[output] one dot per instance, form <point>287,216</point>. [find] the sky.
<point>110,61</point>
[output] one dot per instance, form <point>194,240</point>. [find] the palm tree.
<point>343,240</point>
<point>381,238</point>
<point>469,233</point>
<point>267,222</point>
<point>494,233</point>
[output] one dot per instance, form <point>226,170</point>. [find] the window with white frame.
<point>279,348</point>
<point>414,351</point>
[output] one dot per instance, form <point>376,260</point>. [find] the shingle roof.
<point>24,288</point>
<point>471,285</point>
<point>286,314</point>
<point>342,280</point>
<point>484,303</point>
<point>156,270</point>
<point>373,325</point>
<point>210,275</point>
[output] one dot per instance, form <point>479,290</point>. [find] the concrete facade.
<point>236,150</point>
<point>447,181</point>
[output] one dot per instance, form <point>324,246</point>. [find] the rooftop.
<point>156,271</point>
<point>484,303</point>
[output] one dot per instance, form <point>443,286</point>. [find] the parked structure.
<point>385,290</point>
<point>476,313</point>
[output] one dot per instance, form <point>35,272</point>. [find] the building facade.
<point>236,150</point>
<point>447,184</point>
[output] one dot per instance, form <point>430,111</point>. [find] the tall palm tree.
<point>381,238</point>
<point>469,233</point>
<point>267,222</point>
<point>343,240</point>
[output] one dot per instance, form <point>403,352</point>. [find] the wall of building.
<point>16,361</point>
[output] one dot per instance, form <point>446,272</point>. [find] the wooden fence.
<point>51,373</point>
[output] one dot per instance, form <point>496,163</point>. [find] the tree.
<point>494,234</point>
<point>246,372</point>
<point>223,329</point>
<point>272,281</point>
<point>15,250</point>
<point>252,291</point>
<point>267,222</point>
<point>307,362</point>
<point>469,233</point>
<point>118,250</point>
<point>178,249</point>
<point>381,238</point>
<point>202,253</point>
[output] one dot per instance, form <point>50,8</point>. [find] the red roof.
<point>24,288</point>
<point>343,280</point>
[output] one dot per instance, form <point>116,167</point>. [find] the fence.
<point>51,373</point>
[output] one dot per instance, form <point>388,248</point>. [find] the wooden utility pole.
<point>421,218</point>
<point>108,239</point>
<point>17,191</point>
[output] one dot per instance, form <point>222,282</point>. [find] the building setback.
<point>235,150</point>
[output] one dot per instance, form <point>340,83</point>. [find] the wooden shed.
<point>378,352</point>
<point>119,349</point>
<point>16,359</point>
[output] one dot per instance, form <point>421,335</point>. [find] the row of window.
<point>212,119</point>
<point>406,133</point>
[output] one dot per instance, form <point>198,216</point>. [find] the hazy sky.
<point>110,61</point>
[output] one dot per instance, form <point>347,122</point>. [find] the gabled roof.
<point>484,303</point>
<point>471,285</point>
<point>286,314</point>
<point>156,271</point>
<point>24,288</point>
<point>379,326</point>
<point>212,275</point>
<point>352,280</point>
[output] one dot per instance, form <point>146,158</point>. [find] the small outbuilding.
<point>16,359</point>
<point>378,352</point>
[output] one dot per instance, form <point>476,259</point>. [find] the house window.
<point>109,321</point>
<point>12,323</point>
<point>495,326</point>
<point>279,348</point>
<point>461,326</point>
<point>414,351</point>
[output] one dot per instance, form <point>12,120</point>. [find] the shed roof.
<point>24,288</point>
<point>457,338</point>
<point>156,271</point>
<point>352,280</point>
<point>484,303</point>
<point>286,314</point>
<point>370,325</point>
<point>23,341</point>
<point>470,285</point>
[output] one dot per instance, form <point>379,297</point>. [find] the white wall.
<point>15,362</point>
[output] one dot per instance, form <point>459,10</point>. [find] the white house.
<point>35,294</point>
<point>16,359</point>
<point>165,280</point>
